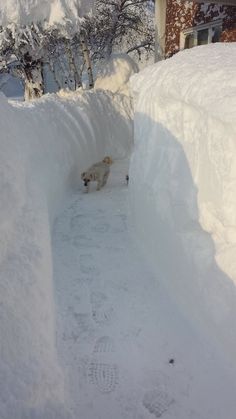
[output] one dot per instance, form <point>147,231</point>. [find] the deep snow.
<point>115,74</point>
<point>183,182</point>
<point>88,325</point>
<point>45,145</point>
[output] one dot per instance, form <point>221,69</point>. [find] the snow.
<point>95,324</point>
<point>115,74</point>
<point>117,328</point>
<point>183,183</point>
<point>45,145</point>
<point>23,12</point>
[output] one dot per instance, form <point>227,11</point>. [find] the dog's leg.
<point>105,177</point>
<point>87,188</point>
<point>99,184</point>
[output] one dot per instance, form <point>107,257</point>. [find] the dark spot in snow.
<point>171,361</point>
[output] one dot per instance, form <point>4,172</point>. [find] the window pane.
<point>189,41</point>
<point>202,37</point>
<point>216,34</point>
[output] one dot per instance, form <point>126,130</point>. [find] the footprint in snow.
<point>157,401</point>
<point>102,371</point>
<point>103,316</point>
<point>102,311</point>
<point>80,328</point>
<point>86,265</point>
<point>103,376</point>
<point>104,345</point>
<point>101,228</point>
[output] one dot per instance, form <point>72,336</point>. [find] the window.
<point>201,35</point>
<point>189,41</point>
<point>216,35</point>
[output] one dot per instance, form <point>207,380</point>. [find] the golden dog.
<point>98,172</point>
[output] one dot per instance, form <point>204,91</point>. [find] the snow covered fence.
<point>44,146</point>
<point>183,182</point>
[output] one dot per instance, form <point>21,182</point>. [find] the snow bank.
<point>44,146</point>
<point>183,181</point>
<point>53,11</point>
<point>115,74</point>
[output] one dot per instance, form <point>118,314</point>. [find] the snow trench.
<point>45,145</point>
<point>182,182</point>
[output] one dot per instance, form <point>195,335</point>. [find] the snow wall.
<point>183,183</point>
<point>44,146</point>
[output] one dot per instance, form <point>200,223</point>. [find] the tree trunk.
<point>87,60</point>
<point>73,67</point>
<point>33,80</point>
<point>111,38</point>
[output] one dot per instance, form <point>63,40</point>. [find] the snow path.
<point>117,329</point>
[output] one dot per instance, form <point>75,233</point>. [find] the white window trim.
<point>194,30</point>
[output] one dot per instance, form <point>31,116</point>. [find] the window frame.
<point>195,29</point>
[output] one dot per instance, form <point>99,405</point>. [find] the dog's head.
<point>86,178</point>
<point>108,160</point>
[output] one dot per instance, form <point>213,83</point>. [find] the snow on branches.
<point>53,34</point>
<point>40,32</point>
<point>21,52</point>
<point>121,26</point>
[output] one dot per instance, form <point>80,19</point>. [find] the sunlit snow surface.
<point>53,11</point>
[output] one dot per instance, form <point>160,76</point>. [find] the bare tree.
<point>21,52</point>
<point>121,25</point>
<point>25,51</point>
<point>64,57</point>
<point>87,60</point>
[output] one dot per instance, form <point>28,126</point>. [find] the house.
<point>183,24</point>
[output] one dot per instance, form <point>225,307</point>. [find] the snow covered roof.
<point>54,11</point>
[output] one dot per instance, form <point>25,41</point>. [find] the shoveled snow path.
<point>117,329</point>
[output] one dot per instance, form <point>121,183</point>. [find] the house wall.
<point>229,35</point>
<point>181,15</point>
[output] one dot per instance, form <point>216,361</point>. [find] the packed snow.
<point>126,350</point>
<point>22,12</point>
<point>95,324</point>
<point>183,182</point>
